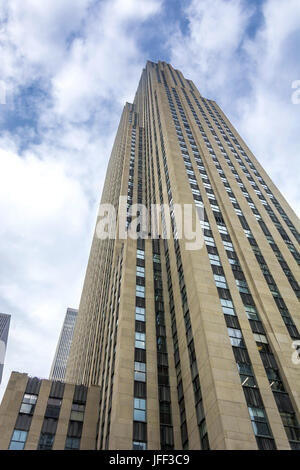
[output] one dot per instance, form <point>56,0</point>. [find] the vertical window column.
<point>51,416</point>
<point>23,423</point>
<point>76,418</point>
<point>165,411</point>
<point>140,398</point>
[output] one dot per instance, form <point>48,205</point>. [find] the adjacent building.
<point>39,414</point>
<point>4,328</point>
<point>58,368</point>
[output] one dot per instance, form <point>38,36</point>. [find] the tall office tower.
<point>4,327</point>
<point>191,348</point>
<point>58,368</point>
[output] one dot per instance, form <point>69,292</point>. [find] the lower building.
<point>4,327</point>
<point>38,414</point>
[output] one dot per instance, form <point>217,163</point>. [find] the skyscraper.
<point>192,348</point>
<point>58,368</point>
<point>4,328</point>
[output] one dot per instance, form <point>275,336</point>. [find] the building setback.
<point>58,368</point>
<point>39,414</point>
<point>4,328</point>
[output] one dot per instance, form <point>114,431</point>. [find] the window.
<point>46,441</point>
<point>165,413</point>
<point>259,421</point>
<point>291,426</point>
<point>236,337</point>
<point>75,429</point>
<point>137,445</point>
<point>140,291</point>
<point>140,254</point>
<point>54,401</point>
<point>139,412</point>
<point>28,404</point>
<point>246,375</point>
<point>220,281</point>
<point>228,246</point>
<point>214,259</point>
<point>203,433</point>
<point>77,412</point>
<point>72,443</point>
<point>222,229</point>
<point>166,437</point>
<point>18,440</point>
<point>275,380</point>
<point>227,307</point>
<point>140,371</point>
<point>242,286</point>
<point>260,338</point>
<point>196,191</point>
<point>139,431</point>
<point>209,241</point>
<point>251,312</point>
<point>199,203</point>
<point>26,408</point>
<point>205,225</point>
<point>233,261</point>
<point>140,313</point>
<point>53,408</point>
<point>161,344</point>
<point>140,340</point>
<point>140,271</point>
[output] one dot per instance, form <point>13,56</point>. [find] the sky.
<point>67,69</point>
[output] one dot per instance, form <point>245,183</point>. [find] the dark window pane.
<point>139,431</point>
<point>46,441</point>
<point>72,443</point>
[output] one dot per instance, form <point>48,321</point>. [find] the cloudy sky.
<point>67,68</point>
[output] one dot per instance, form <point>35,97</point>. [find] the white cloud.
<point>36,32</point>
<point>206,52</point>
<point>45,227</point>
<point>104,61</point>
<point>47,193</point>
<point>268,118</point>
<point>82,48</point>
